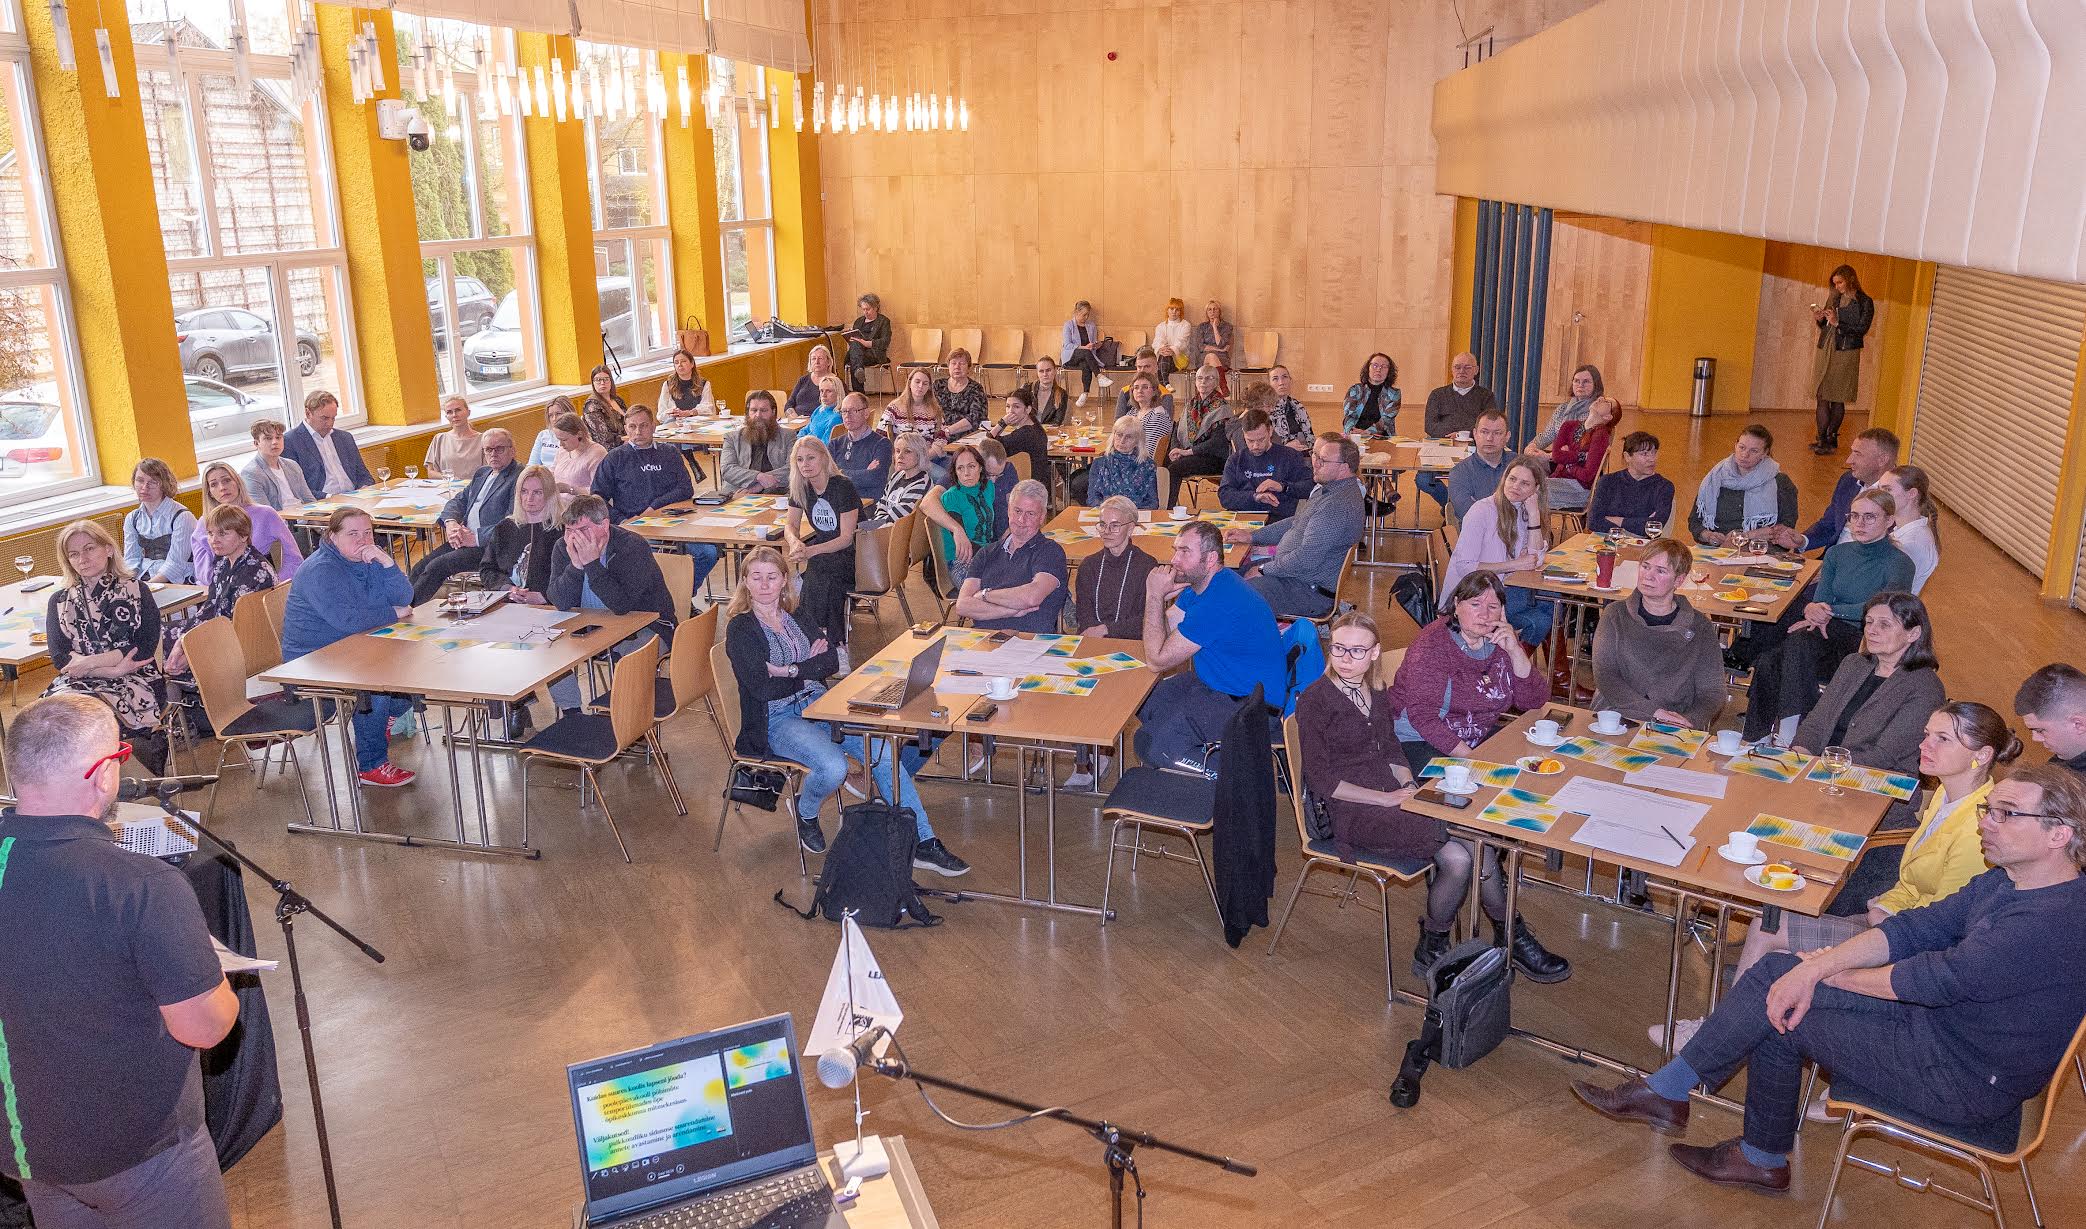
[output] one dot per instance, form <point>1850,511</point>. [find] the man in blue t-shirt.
<point>1199,611</point>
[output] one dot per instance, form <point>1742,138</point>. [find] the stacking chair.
<point>1020,462</point>
<point>1319,856</point>
<point>216,659</point>
<point>1262,345</point>
<point>724,701</point>
<point>1198,489</point>
<point>276,602</point>
<point>2011,1141</point>
<point>970,340</point>
<point>925,346</point>
<point>1000,353</point>
<point>1325,620</point>
<point>687,682</point>
<point>883,559</point>
<point>1154,799</point>
<point>589,740</point>
<point>679,571</point>
<point>259,641</point>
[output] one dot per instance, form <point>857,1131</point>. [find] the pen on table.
<point>969,674</point>
<point>1676,840</point>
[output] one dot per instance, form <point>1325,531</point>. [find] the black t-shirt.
<point>1854,702</point>
<point>822,516</point>
<point>98,939</point>
<point>1034,441</point>
<point>1664,620</point>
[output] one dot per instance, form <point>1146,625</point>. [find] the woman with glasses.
<point>102,629</point>
<point>1108,596</point>
<point>604,410</point>
<point>1960,745</point>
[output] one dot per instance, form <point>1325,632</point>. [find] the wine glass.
<point>412,472</point>
<point>1836,760</point>
<point>25,564</point>
<point>1654,528</point>
<point>383,474</point>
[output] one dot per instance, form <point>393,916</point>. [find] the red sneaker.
<point>386,774</point>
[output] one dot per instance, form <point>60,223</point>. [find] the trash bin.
<point>1705,387</point>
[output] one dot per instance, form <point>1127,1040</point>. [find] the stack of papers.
<point>1634,823</point>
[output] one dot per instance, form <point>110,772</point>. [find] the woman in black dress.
<point>102,628</point>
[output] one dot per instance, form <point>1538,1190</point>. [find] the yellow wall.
<point>564,220</point>
<point>1703,299</point>
<point>1461,279</point>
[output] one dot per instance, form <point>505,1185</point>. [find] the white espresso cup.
<point>1730,742</point>
<point>1743,844</point>
<point>1608,720</point>
<point>1455,778</point>
<point>1000,688</point>
<point>1544,731</point>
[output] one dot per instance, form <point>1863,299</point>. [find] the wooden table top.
<point>1397,453</point>
<point>1718,578</point>
<point>21,615</point>
<point>1084,720</point>
<point>444,668</point>
<point>1701,870</point>
<point>712,431</point>
<point>752,519</point>
<point>1074,530</point>
<point>370,497</point>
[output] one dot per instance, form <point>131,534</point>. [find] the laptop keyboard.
<point>797,1198</point>
<point>886,696</point>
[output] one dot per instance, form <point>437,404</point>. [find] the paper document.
<point>1680,780</point>
<point>229,961</point>
<point>1654,846</point>
<point>718,522</point>
<point>415,497</point>
<point>1630,808</point>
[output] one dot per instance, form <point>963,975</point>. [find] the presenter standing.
<point>108,987</point>
<point>1843,321</point>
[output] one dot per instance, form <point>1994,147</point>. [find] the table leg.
<point>456,784</point>
<point>1716,955</point>
<point>472,717</point>
<point>344,726</point>
<point>1049,819</point>
<point>1683,909</point>
<point>319,724</point>
<point>1021,814</point>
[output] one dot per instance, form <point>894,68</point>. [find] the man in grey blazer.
<point>756,456</point>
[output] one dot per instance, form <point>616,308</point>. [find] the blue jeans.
<point>811,744</point>
<point>373,730</point>
<point>705,557</point>
<point>1432,484</point>
<point>565,692</point>
<point>1530,616</point>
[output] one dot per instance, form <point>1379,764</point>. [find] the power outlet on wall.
<point>1320,388</point>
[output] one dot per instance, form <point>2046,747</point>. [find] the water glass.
<point>383,473</point>
<point>1836,760</point>
<point>24,564</point>
<point>412,472</point>
<point>1654,528</point>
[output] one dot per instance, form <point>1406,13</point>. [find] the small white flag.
<point>857,997</point>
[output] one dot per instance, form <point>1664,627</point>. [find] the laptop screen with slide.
<point>686,1117</point>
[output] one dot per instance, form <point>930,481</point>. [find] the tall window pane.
<point>740,143</point>
<point>625,179</point>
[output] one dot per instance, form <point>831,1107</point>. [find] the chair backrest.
<point>972,340</point>
<point>940,573</point>
<point>724,690</point>
<point>278,601</point>
<point>1163,480</point>
<point>924,345</point>
<point>873,558</point>
<point>1293,755</point>
<point>1020,462</point>
<point>2040,1113</point>
<point>679,571</point>
<point>1004,346</point>
<point>632,702</point>
<point>219,666</point>
<point>689,665</point>
<point>258,640</point>
<point>1262,345</point>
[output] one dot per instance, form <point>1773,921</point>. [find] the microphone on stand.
<point>836,1068</point>
<point>134,789</point>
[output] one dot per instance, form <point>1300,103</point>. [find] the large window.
<point>45,444</point>
<point>626,177</point>
<point>470,193</point>
<point>243,178</point>
<point>744,210</point>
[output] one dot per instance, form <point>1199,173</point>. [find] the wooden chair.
<point>1320,856</point>
<point>589,740</point>
<point>924,554</point>
<point>1162,479</point>
<point>1174,803</point>
<point>883,560</point>
<point>278,601</point>
<point>1262,346</point>
<point>925,346</point>
<point>218,662</point>
<point>1000,353</point>
<point>687,682</point>
<point>724,700</point>
<point>2009,1142</point>
<point>1197,489</point>
<point>679,571</point>
<point>1020,462</point>
<point>260,643</point>
<point>971,341</point>
<point>1325,620</point>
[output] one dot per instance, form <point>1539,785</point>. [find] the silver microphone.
<point>836,1068</point>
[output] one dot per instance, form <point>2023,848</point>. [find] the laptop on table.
<point>708,1132</point>
<point>897,693</point>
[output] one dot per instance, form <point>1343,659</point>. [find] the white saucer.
<point>1533,741</point>
<point>1759,856</point>
<point>1753,877</point>
<point>1610,732</point>
<point>1443,786</point>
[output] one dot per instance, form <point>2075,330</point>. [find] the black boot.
<point>1536,962</point>
<point>1429,949</point>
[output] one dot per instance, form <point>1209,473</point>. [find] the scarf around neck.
<point>1762,502</point>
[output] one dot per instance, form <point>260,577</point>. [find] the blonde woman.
<point>910,479</point>
<point>546,446</point>
<point>1504,534</point>
<point>819,534</point>
<point>818,368</point>
<point>222,485</point>
<point>914,411</point>
<point>103,633</point>
<point>825,415</point>
<point>518,547</point>
<point>1123,470</point>
<point>578,456</point>
<point>458,452</point>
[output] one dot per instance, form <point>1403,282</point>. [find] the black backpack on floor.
<point>869,868</point>
<point>1469,1012</point>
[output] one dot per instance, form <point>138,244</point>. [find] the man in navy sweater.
<point>600,566</point>
<point>638,476</point>
<point>1874,451</point>
<point>1261,477</point>
<point>1956,1012</point>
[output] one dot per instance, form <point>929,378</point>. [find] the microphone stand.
<point>289,903</point>
<point>1117,1140</point>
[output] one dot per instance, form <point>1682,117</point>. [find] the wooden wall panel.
<point>1599,268</point>
<point>1785,352</point>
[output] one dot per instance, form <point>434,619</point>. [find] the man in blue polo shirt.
<point>638,476</point>
<point>1020,581</point>
<point>108,987</point>
<point>1201,611</point>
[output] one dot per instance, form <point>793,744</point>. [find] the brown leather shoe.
<point>1726,1165</point>
<point>1634,1101</point>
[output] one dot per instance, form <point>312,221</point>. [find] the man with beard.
<point>756,456</point>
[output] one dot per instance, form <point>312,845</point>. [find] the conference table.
<point>22,608</point>
<point>502,656</point>
<point>735,527</point>
<point>1075,529</point>
<point>405,510</point>
<point>706,435</point>
<point>1785,799</point>
<point>1384,458</point>
<point>1073,692</point>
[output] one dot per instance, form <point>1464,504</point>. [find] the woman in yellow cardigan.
<point>1964,742</point>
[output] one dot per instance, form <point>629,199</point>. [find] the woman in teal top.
<point>962,513</point>
<point>1799,656</point>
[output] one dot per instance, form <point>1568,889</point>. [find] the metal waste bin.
<point>1705,387</point>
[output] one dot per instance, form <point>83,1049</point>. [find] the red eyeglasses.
<point>121,755</point>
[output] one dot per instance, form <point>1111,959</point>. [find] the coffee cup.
<point>1744,844</point>
<point>1180,512</point>
<point>1544,731</point>
<point>1730,742</point>
<point>1456,778</point>
<point>1608,720</point>
<point>1000,687</point>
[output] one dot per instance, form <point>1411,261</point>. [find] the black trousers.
<point>1197,464</point>
<point>1830,415</point>
<point>439,565</point>
<point>1786,678</point>
<point>1087,364</point>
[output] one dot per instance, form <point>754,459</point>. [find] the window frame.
<point>653,241</point>
<point>745,121</point>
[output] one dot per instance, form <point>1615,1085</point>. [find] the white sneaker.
<point>1816,1111</point>
<point>1683,1032</point>
<point>1080,779</point>
<point>1104,381</point>
<point>1081,401</point>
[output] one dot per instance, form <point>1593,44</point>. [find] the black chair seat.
<point>1402,866</point>
<point>2001,1135</point>
<point>662,698</point>
<point>1168,795</point>
<point>272,714</point>
<point>581,736</point>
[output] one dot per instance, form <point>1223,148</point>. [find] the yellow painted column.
<point>564,225</point>
<point>2062,557</point>
<point>394,338</point>
<point>800,237</point>
<point>108,225</point>
<point>1462,278</point>
<point>691,207</point>
<point>1910,290</point>
<point>1703,298</point>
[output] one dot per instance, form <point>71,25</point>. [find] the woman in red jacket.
<point>1575,457</point>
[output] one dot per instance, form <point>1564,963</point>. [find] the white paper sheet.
<point>719,522</point>
<point>1016,657</point>
<point>229,961</point>
<point>1680,780</point>
<point>1654,846</point>
<point>509,621</point>
<point>1623,806</point>
<point>415,496</point>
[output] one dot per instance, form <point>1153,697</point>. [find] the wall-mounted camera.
<point>398,121</point>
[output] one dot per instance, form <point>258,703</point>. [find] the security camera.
<point>417,131</point>
<point>397,121</point>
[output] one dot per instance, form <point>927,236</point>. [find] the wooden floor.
<point>443,1066</point>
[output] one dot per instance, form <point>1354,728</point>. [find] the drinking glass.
<point>24,564</point>
<point>1836,760</point>
<point>412,472</point>
<point>383,474</point>
<point>1654,528</point>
